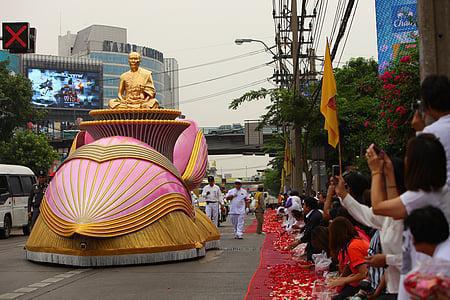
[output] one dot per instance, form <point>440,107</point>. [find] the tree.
<point>358,102</point>
<point>16,108</point>
<point>28,149</point>
<point>297,110</point>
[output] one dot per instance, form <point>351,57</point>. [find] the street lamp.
<point>241,41</point>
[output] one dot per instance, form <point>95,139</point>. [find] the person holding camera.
<point>211,193</point>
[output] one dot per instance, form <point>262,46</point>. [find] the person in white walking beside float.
<point>212,194</point>
<point>239,199</point>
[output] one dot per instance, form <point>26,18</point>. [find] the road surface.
<point>221,274</point>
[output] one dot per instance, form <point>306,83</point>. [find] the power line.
<point>219,77</point>
<point>200,98</point>
<point>204,64</point>
<point>348,32</point>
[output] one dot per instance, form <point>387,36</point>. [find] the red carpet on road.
<point>278,275</point>
<point>252,227</point>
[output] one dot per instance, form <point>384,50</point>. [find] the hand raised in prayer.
<point>375,162</point>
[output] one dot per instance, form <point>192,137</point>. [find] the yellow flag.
<point>328,101</point>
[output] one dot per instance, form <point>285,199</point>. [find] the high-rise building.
<point>13,61</point>
<point>109,45</point>
<point>172,85</point>
<point>67,88</point>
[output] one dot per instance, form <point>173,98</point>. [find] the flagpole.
<point>340,157</point>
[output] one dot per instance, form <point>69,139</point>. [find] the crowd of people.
<point>378,229</point>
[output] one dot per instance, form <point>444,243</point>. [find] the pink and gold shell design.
<point>112,187</point>
<point>190,155</point>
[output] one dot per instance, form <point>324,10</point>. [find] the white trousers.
<point>238,224</point>
<point>212,211</point>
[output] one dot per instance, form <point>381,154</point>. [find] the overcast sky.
<point>193,32</point>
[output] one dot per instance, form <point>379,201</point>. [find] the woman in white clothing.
<point>426,184</point>
<point>391,231</point>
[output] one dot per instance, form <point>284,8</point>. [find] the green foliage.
<point>400,91</point>
<point>28,149</point>
<point>272,181</point>
<point>15,102</point>
<point>357,101</point>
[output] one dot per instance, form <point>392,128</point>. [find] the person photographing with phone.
<point>211,193</point>
<point>239,199</point>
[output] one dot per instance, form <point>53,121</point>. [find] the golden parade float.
<point>123,194</point>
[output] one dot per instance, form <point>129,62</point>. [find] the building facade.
<point>67,87</point>
<point>172,83</point>
<point>109,45</point>
<point>13,61</point>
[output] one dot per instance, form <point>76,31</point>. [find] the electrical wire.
<point>348,32</point>
<point>224,92</point>
<point>219,77</point>
<point>205,64</point>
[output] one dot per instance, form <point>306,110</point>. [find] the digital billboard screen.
<point>65,89</point>
<point>396,29</point>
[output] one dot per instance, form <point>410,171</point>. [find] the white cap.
<point>238,181</point>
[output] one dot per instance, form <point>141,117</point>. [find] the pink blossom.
<point>401,110</point>
<point>366,123</point>
<point>405,59</point>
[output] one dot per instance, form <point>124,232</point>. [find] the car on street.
<point>16,183</point>
<point>228,129</point>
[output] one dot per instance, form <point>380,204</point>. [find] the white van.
<point>16,183</point>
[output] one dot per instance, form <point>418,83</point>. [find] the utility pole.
<point>289,29</point>
<point>434,35</point>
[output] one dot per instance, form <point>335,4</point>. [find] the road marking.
<point>43,283</point>
<point>65,275</point>
<point>25,290</point>
<point>11,295</point>
<point>53,279</point>
<point>40,284</point>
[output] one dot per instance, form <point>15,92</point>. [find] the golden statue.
<point>136,89</point>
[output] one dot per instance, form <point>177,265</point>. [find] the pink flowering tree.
<point>400,91</point>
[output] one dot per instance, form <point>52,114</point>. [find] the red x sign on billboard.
<point>16,37</point>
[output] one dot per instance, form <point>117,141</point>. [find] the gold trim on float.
<point>119,111</point>
<point>194,156</point>
<point>173,232</point>
<point>86,124</point>
<point>101,154</point>
<point>122,225</point>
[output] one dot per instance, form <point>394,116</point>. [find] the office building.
<point>172,83</point>
<point>67,87</point>
<point>13,60</point>
<point>109,45</point>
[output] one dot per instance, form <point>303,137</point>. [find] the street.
<point>221,274</point>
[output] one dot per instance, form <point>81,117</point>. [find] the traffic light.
<point>18,37</point>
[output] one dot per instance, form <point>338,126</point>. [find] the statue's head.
<point>134,59</point>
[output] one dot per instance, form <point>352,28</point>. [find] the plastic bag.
<point>253,205</point>
<point>321,264</point>
<point>429,280</point>
<point>298,251</point>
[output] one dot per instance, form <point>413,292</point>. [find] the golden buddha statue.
<point>136,89</point>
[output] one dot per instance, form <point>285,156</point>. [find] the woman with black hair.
<point>390,230</point>
<point>426,184</point>
<point>350,250</point>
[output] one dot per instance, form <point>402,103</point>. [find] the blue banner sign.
<point>396,29</point>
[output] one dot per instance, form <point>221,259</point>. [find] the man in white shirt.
<point>239,198</point>
<point>435,92</point>
<point>212,194</point>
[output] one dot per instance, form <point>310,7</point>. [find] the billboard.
<point>396,29</point>
<point>65,89</point>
